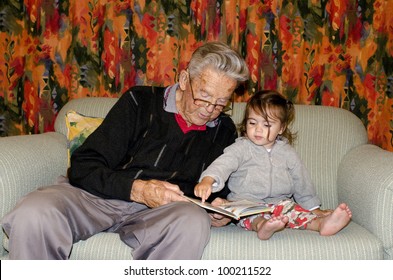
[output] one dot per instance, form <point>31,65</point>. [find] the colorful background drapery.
<point>324,52</point>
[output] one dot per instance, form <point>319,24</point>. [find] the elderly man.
<point>130,174</point>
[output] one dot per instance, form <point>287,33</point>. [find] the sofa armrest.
<point>27,162</point>
<point>365,182</point>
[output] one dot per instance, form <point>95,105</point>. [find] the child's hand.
<point>204,188</point>
<point>203,191</point>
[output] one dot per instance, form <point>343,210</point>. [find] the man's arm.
<point>95,164</point>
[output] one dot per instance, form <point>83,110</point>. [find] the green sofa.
<point>331,141</point>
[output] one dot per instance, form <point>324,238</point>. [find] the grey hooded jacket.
<point>255,174</point>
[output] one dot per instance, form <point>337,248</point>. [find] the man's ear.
<point>183,79</point>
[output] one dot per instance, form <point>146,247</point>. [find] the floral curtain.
<point>324,52</point>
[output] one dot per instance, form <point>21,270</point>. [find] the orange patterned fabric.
<point>324,52</point>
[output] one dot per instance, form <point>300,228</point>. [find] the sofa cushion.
<point>79,127</point>
<point>228,243</point>
<point>88,106</point>
<point>102,246</point>
<point>352,243</point>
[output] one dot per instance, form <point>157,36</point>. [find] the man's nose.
<point>210,108</point>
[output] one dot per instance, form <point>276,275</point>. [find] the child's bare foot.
<point>336,221</point>
<point>267,228</point>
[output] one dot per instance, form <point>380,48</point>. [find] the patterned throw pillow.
<point>79,127</point>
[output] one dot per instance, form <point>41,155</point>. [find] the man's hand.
<point>154,193</point>
<point>218,220</point>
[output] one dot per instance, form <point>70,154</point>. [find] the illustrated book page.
<point>234,209</point>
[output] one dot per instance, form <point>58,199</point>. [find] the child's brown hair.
<point>270,103</point>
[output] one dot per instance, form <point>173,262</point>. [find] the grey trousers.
<point>47,222</point>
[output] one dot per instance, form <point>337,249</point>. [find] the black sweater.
<point>140,140</point>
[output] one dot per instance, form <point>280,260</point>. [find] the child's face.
<point>258,129</point>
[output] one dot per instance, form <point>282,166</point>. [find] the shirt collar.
<point>170,103</point>
<point>170,99</point>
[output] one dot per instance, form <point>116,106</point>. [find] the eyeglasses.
<point>204,103</point>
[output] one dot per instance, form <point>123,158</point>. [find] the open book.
<point>235,209</point>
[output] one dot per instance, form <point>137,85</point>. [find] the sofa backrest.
<point>88,106</point>
<point>325,135</point>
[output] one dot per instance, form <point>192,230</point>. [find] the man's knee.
<point>33,210</point>
<point>192,219</point>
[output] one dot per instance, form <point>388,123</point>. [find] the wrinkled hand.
<point>154,193</point>
<point>218,220</point>
<point>322,213</point>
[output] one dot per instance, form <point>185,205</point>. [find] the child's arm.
<point>204,188</point>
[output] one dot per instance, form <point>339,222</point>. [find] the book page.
<point>236,209</point>
<point>209,206</point>
<point>244,207</point>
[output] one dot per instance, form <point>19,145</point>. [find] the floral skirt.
<point>298,217</point>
